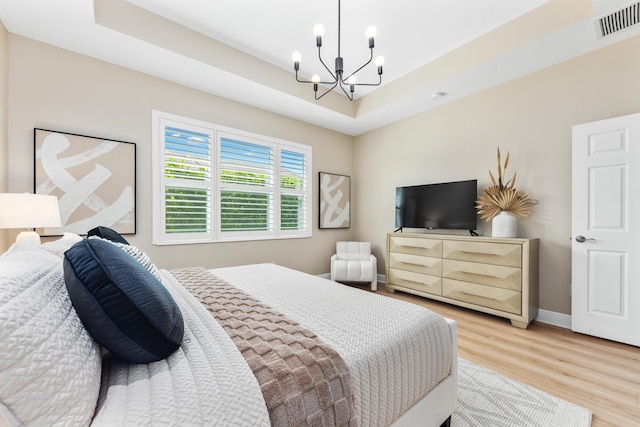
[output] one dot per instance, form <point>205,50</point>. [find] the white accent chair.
<point>354,262</point>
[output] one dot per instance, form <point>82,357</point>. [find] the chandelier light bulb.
<point>296,56</point>
<point>315,78</point>
<point>318,30</point>
<point>371,32</point>
<point>379,64</point>
<point>352,80</point>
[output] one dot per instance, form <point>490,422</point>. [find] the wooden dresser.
<point>498,276</point>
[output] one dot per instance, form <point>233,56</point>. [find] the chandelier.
<point>337,77</point>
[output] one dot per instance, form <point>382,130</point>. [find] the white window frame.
<point>162,119</point>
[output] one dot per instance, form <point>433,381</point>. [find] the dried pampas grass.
<point>503,196</point>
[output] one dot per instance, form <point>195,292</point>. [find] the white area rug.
<point>486,398</point>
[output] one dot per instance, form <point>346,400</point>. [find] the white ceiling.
<point>413,36</point>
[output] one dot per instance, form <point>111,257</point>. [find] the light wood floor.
<point>600,375</point>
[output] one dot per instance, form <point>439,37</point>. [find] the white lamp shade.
<point>24,210</point>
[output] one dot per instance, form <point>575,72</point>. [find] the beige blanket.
<point>303,380</point>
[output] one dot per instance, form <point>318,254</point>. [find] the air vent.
<point>618,20</point>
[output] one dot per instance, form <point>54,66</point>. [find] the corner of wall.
<point>4,101</point>
<point>4,118</point>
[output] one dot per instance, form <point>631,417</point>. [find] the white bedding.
<point>49,364</point>
<point>394,360</point>
<point>50,367</point>
<point>205,382</point>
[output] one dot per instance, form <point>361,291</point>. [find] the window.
<point>213,183</point>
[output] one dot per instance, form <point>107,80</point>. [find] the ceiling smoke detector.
<point>618,20</point>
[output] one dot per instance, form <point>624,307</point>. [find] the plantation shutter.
<point>214,184</point>
<point>187,180</point>
<point>293,191</point>
<point>246,186</point>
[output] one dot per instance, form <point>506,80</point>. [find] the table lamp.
<point>30,211</point>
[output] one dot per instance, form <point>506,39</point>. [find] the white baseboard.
<point>553,318</point>
<point>544,316</point>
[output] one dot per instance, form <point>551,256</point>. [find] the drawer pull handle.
<point>466,273</point>
<point>484,297</point>
<point>414,264</point>
<point>479,253</point>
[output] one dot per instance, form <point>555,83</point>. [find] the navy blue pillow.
<point>122,305</point>
<point>107,233</point>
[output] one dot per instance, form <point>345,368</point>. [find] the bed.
<point>351,357</point>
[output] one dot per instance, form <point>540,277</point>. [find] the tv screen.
<point>447,205</point>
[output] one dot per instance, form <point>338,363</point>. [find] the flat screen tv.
<point>447,205</point>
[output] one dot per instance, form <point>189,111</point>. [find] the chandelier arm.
<point>364,65</point>
<point>349,95</point>
<point>370,84</point>
<point>327,91</point>
<point>327,68</point>
<point>301,81</point>
<point>311,81</point>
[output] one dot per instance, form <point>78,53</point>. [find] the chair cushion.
<point>353,256</point>
<point>353,248</point>
<point>122,305</point>
<point>356,271</point>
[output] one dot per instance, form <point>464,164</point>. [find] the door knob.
<point>582,239</point>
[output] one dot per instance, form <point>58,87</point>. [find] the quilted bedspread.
<point>303,380</point>
<point>396,352</point>
<point>206,382</point>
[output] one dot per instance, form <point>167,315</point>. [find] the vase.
<point>505,224</point>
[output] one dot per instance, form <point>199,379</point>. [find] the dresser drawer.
<point>416,281</point>
<point>490,253</point>
<point>485,274</point>
<point>413,246</point>
<point>492,275</point>
<point>485,296</point>
<point>416,263</point>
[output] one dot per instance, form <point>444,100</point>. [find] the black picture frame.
<point>94,179</point>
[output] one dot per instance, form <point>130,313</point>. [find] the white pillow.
<point>58,247</point>
<point>50,366</point>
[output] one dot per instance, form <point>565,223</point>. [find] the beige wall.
<point>60,90</point>
<point>532,118</point>
<point>4,143</point>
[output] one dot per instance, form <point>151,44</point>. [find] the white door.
<point>605,244</point>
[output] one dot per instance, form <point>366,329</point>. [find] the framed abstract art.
<point>93,178</point>
<point>335,203</point>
